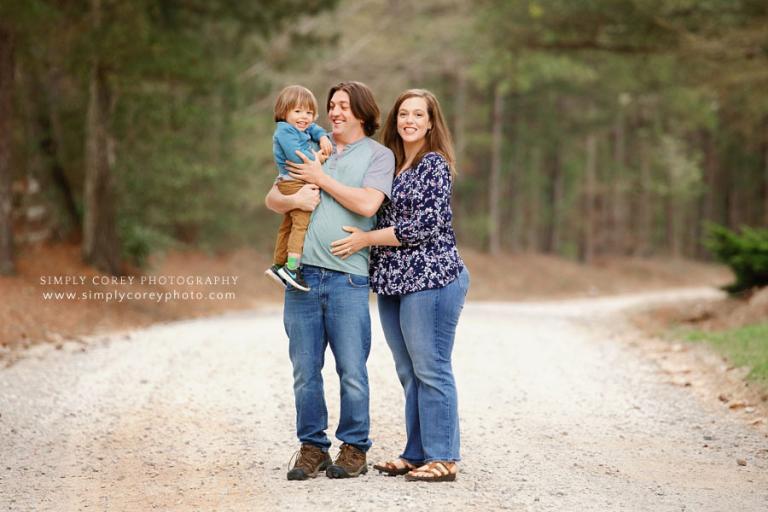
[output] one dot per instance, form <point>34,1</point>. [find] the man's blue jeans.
<point>334,312</point>
<point>420,328</point>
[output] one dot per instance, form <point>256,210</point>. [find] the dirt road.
<point>556,414</point>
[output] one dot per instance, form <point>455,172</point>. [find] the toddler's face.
<point>300,117</point>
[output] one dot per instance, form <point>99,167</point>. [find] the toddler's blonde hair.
<point>291,97</point>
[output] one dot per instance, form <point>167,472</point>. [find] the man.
<point>354,182</point>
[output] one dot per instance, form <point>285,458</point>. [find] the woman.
<point>421,284</point>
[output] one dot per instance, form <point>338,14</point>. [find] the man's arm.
<point>307,199</point>
<point>362,201</point>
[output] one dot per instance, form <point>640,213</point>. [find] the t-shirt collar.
<point>351,144</point>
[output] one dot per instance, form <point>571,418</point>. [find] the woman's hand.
<point>348,246</point>
<point>307,198</point>
<point>310,171</point>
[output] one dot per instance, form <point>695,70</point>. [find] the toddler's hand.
<point>326,146</point>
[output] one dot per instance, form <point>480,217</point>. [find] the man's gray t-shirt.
<point>364,163</point>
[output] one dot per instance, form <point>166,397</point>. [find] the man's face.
<point>345,126</point>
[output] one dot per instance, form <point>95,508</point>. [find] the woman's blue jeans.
<point>420,329</point>
<point>334,312</point>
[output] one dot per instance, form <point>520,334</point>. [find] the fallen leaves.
<point>710,376</point>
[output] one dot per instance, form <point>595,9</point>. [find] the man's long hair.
<point>361,103</point>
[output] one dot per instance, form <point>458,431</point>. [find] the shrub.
<point>745,252</point>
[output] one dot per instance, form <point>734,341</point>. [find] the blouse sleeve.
<point>429,204</point>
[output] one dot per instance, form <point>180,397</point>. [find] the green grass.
<point>745,346</point>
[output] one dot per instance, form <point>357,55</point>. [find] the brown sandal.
<point>436,471</point>
<point>395,467</point>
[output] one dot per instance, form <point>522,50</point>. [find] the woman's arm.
<point>307,199</point>
<point>432,197</point>
<point>360,239</point>
<point>430,200</point>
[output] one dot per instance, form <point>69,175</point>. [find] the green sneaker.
<point>294,278</point>
<point>273,273</point>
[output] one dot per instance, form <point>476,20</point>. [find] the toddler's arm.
<point>290,139</point>
<point>316,132</point>
<point>321,137</point>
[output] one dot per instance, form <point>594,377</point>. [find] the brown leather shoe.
<point>311,460</point>
<point>350,463</point>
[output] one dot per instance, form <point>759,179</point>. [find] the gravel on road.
<point>198,415</point>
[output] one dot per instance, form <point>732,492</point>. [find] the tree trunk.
<point>52,145</point>
<point>511,195</point>
<point>494,183</point>
<point>709,168</point>
<point>588,207</point>
<point>693,232</point>
<point>706,204</point>
<point>554,189</point>
<point>7,265</point>
<point>765,177</point>
<point>733,206</point>
<point>672,217</point>
<point>101,247</point>
<point>619,229</point>
<point>645,208</point>
<point>38,95</point>
<point>533,200</point>
<point>460,118</point>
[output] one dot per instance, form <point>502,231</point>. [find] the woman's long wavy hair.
<point>438,138</point>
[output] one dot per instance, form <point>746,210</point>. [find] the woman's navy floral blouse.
<point>420,211</point>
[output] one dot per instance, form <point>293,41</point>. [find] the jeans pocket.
<point>464,281</point>
<point>356,281</point>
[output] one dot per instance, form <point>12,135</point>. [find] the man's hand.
<point>348,246</point>
<point>310,171</point>
<point>326,146</point>
<point>307,198</point>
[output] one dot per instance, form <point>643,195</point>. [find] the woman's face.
<point>413,120</point>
